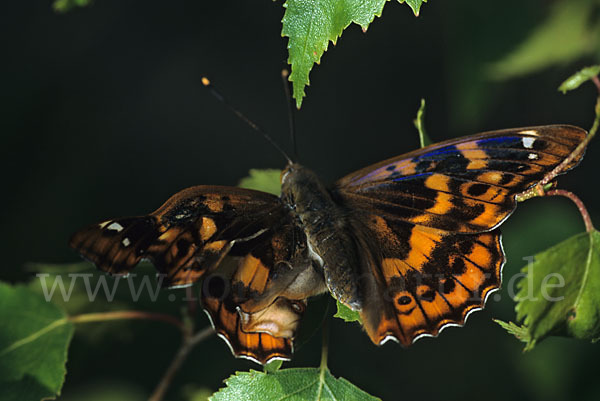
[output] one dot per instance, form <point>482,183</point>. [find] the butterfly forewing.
<point>429,218</point>
<point>465,185</point>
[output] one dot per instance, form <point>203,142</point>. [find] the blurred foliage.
<point>81,288</point>
<point>267,180</point>
<point>495,51</point>
<point>569,32</point>
<point>62,6</point>
<point>298,384</point>
<point>33,345</point>
<point>111,391</point>
<point>193,392</point>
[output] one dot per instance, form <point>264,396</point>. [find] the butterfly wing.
<point>429,222</point>
<point>248,235</point>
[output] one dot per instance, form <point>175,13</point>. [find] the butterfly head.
<point>289,171</point>
<point>298,183</point>
<point>304,193</point>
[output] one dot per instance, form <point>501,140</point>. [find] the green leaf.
<point>194,392</point>
<point>518,331</point>
<point>33,345</point>
<point>273,366</point>
<point>415,5</point>
<point>560,294</point>
<point>62,6</point>
<point>344,312</point>
<point>311,24</point>
<point>296,384</point>
<point>267,180</point>
<point>420,125</point>
<point>567,34</point>
<point>581,76</point>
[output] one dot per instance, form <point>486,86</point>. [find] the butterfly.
<point>412,243</point>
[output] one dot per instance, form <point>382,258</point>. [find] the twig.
<point>596,82</point>
<point>580,148</point>
<point>589,227</point>
<point>189,342</point>
<point>325,344</point>
<point>546,185</point>
<point>192,302</point>
<point>324,354</point>
<point>126,314</point>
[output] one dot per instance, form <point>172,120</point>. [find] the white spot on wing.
<point>104,223</point>
<point>528,141</point>
<point>115,226</point>
<point>126,242</point>
<point>533,156</point>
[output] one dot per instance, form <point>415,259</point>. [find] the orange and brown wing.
<point>188,235</point>
<point>428,223</point>
<point>259,346</point>
<point>464,185</point>
<point>248,235</point>
<point>258,295</point>
<point>434,282</point>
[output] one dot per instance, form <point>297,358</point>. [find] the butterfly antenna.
<point>206,82</point>
<point>286,88</point>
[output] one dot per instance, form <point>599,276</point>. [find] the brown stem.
<point>574,155</point>
<point>589,227</point>
<point>126,314</point>
<point>581,147</point>
<point>596,82</point>
<point>189,342</point>
<point>192,302</point>
<point>539,189</point>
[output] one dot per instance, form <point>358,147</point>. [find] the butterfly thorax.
<point>325,224</point>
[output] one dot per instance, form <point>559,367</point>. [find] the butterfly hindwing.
<point>257,345</point>
<point>258,295</point>
<point>435,279</point>
<point>428,224</point>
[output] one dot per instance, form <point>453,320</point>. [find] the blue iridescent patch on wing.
<point>411,177</point>
<point>442,151</point>
<point>451,158</point>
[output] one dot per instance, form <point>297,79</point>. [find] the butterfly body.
<point>328,231</point>
<point>412,243</point>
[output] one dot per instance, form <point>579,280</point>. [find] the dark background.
<point>104,115</point>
